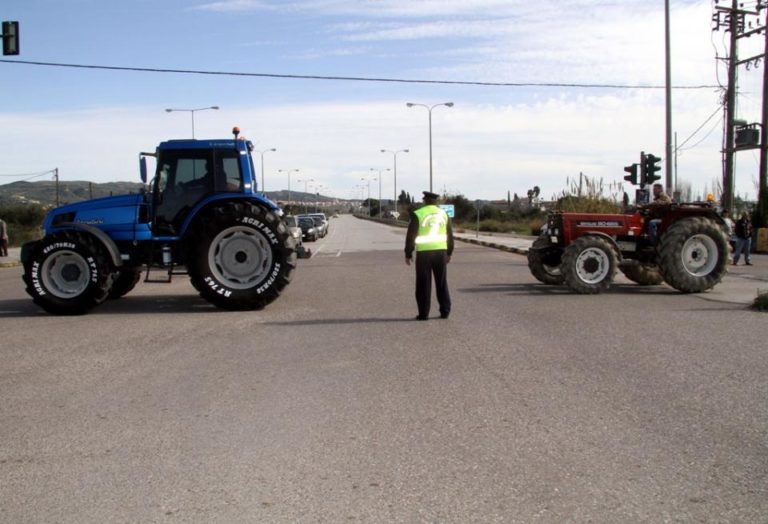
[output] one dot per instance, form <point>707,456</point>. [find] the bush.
<point>761,301</point>
<point>23,221</point>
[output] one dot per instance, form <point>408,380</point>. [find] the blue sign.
<point>449,209</point>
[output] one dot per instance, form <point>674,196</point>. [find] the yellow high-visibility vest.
<point>433,228</point>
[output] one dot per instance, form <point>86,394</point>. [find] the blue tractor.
<point>200,212</point>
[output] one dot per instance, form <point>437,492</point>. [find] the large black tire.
<point>693,255</point>
<point>126,280</point>
<point>643,274</point>
<point>240,256</point>
<point>545,263</point>
<point>68,273</point>
<point>589,265</point>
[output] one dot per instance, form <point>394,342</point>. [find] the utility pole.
<point>734,20</point>
<point>56,180</point>
<point>761,217</point>
<point>668,90</point>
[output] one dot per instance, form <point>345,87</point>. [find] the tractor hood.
<point>99,212</point>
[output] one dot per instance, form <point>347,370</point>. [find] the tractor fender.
<point>226,197</point>
<point>101,236</point>
<point>609,238</point>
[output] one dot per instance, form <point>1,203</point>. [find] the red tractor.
<point>689,250</point>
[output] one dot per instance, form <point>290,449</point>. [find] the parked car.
<point>309,230</point>
<point>325,224</point>
<point>320,223</point>
<point>292,223</point>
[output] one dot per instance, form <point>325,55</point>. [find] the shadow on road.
<point>131,305</point>
<point>337,321</point>
<point>544,289</point>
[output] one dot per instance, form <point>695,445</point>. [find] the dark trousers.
<point>430,263</point>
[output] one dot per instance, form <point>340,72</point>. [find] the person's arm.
<point>410,236</point>
<point>450,239</point>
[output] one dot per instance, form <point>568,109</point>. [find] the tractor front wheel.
<point>68,273</point>
<point>589,265</point>
<point>693,255</point>
<point>126,280</point>
<point>241,256</point>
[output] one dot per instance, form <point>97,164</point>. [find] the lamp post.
<point>289,171</point>
<point>429,110</point>
<point>379,170</point>
<point>318,188</point>
<point>306,181</point>
<point>364,179</point>
<point>262,166</point>
<point>394,158</point>
<point>192,112</point>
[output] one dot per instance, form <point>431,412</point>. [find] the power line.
<point>354,78</point>
<point>30,176</point>
<point>710,117</point>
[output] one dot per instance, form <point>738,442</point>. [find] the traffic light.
<point>10,38</point>
<point>632,176</point>
<point>650,168</point>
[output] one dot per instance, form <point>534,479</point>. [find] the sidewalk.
<point>739,286</point>
<point>12,260</point>
<point>506,242</point>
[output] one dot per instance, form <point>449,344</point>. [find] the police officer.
<point>430,234</point>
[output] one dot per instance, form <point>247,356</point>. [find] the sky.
<point>574,89</point>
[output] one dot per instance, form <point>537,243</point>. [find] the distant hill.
<point>44,192</point>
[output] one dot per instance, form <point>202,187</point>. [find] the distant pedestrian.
<point>743,239</point>
<point>431,235</point>
<point>3,238</point>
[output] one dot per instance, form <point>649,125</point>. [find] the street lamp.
<point>394,158</point>
<point>379,170</point>
<point>429,110</point>
<point>364,179</point>
<point>192,112</point>
<point>306,181</point>
<point>289,171</point>
<point>262,166</point>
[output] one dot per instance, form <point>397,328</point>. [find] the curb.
<point>509,249</point>
<point>10,263</point>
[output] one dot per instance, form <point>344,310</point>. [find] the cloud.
<point>481,151</point>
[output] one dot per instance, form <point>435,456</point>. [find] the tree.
<point>403,198</point>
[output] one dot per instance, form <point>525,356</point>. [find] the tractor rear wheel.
<point>68,273</point>
<point>545,263</point>
<point>643,274</point>
<point>693,255</point>
<point>589,265</point>
<point>240,256</point>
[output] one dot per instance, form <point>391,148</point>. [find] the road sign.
<point>448,208</point>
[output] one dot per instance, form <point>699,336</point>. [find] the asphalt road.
<point>530,404</point>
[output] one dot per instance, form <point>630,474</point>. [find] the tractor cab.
<point>190,171</point>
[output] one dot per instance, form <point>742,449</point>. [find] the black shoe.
<point>444,315</point>
<point>419,317</point>
<point>749,263</point>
